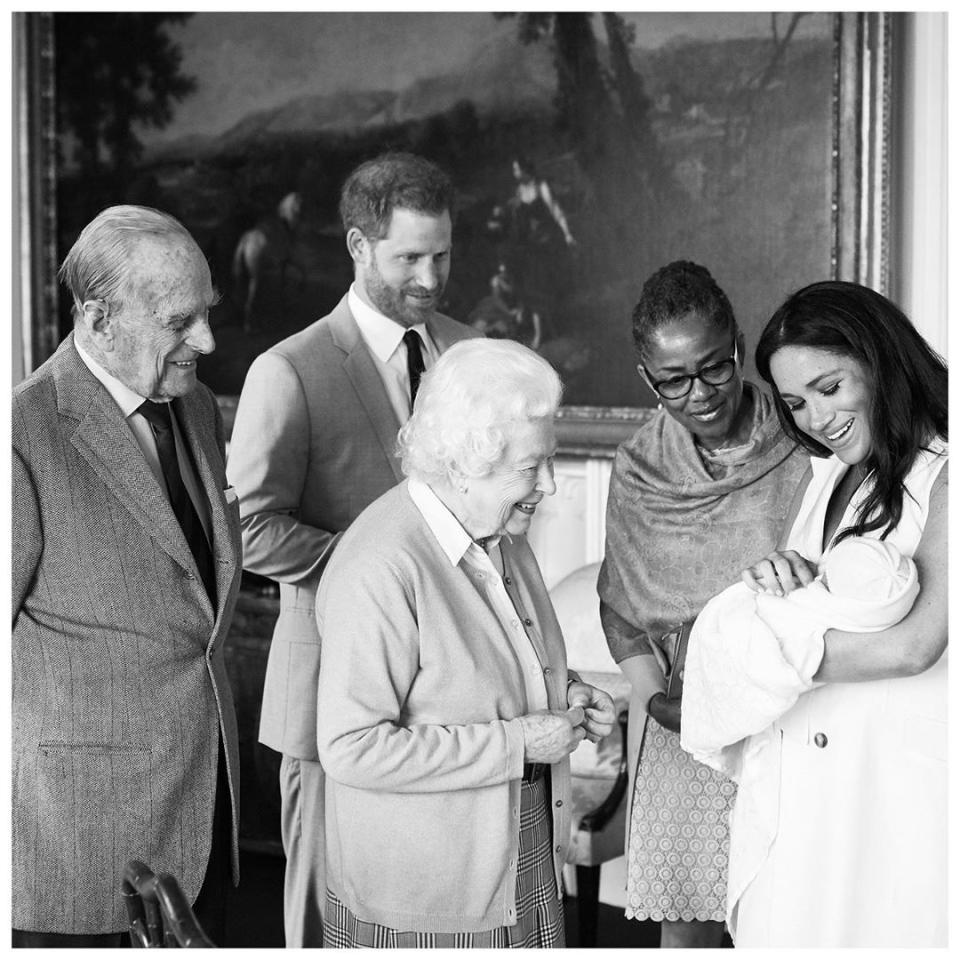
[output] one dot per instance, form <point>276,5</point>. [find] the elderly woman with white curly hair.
<point>446,713</point>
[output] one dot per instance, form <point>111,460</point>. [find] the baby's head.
<point>862,568</point>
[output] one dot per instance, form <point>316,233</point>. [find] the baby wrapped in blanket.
<point>751,655</point>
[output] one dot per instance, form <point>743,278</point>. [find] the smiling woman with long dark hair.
<point>839,831</point>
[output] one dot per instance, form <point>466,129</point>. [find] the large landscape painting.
<point>654,136</point>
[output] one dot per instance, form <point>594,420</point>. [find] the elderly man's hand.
<point>550,736</point>
<point>599,713</point>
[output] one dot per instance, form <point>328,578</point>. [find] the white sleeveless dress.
<point>839,831</point>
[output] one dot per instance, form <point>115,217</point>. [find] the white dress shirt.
<point>129,402</point>
<point>384,339</point>
<point>460,548</point>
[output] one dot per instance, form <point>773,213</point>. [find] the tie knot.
<point>158,414</point>
<point>412,339</point>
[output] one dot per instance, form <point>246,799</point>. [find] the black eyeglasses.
<point>714,374</point>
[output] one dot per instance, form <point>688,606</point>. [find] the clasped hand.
<point>551,735</point>
<point>779,572</point>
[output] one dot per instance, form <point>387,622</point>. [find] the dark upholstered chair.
<point>158,913</point>
<point>599,771</point>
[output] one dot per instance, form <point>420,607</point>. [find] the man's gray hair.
<point>468,405</point>
<point>95,267</point>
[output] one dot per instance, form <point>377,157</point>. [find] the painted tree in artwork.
<point>605,115</point>
<point>114,71</point>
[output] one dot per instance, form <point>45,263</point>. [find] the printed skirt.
<point>539,906</point>
<point>679,841</point>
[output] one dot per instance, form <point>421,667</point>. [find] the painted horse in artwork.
<point>270,244</point>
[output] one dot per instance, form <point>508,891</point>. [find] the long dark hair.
<point>908,406</point>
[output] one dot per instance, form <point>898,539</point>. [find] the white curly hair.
<point>468,405</point>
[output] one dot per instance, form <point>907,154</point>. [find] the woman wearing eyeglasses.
<point>697,493</point>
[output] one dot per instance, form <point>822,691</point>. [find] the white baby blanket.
<point>751,655</point>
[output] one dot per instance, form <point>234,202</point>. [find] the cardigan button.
<point>507,581</point>
<point>820,740</point>
<point>528,621</point>
<point>559,803</point>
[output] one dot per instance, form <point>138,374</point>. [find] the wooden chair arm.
<point>181,927</point>
<point>158,913</point>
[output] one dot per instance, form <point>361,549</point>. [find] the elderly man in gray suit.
<point>314,442</point>
<point>126,565</point>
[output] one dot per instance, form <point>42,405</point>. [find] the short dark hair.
<point>674,291</point>
<point>379,186</point>
<point>909,382</point>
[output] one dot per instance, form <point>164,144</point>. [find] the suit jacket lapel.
<point>198,430</point>
<point>360,369</point>
<point>105,441</point>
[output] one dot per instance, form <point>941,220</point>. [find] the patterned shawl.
<point>676,535</point>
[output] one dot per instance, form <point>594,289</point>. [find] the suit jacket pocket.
<point>80,811</point>
<point>109,783</point>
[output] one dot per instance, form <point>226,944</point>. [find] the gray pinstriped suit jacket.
<point>313,444</point>
<point>119,684</point>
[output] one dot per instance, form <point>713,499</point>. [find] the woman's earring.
<point>659,406</point>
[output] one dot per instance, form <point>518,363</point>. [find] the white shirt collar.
<point>381,334</point>
<point>126,399</point>
<point>453,539</point>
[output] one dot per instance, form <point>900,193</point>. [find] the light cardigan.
<point>418,729</point>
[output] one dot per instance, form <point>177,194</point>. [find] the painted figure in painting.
<point>270,244</point>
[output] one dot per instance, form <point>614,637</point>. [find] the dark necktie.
<point>158,415</point>
<point>414,362</point>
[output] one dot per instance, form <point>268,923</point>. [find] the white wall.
<point>568,529</point>
<point>919,279</point>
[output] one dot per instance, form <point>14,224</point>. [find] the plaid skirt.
<point>539,906</point>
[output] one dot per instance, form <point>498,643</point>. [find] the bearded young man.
<point>314,443</point>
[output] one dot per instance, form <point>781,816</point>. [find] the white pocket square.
<point>230,494</point>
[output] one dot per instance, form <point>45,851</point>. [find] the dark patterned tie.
<point>414,362</point>
<point>158,415</point>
